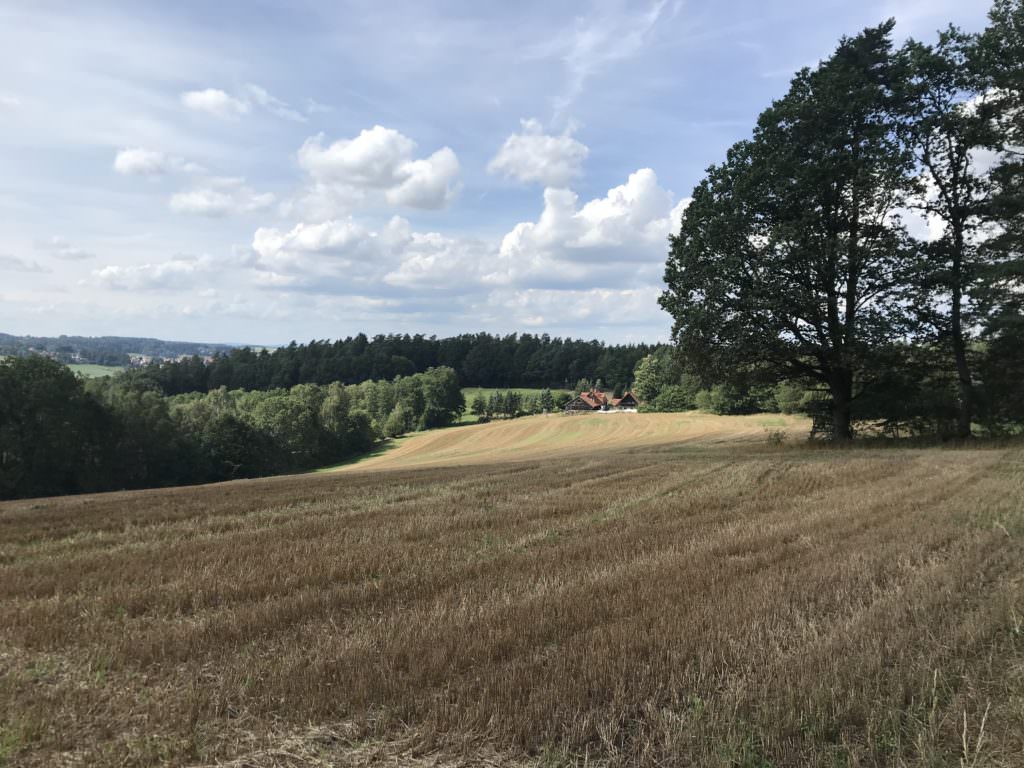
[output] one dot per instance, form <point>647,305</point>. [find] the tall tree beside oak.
<point>951,127</point>
<point>1002,46</point>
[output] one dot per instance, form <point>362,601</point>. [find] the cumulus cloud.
<point>344,255</point>
<point>221,196</point>
<point>214,101</point>
<point>60,248</point>
<point>534,156</point>
<point>628,226</point>
<point>139,161</point>
<point>305,246</point>
<point>615,242</point>
<point>430,260</point>
<point>10,263</point>
<point>224,105</point>
<point>179,272</point>
<point>379,161</point>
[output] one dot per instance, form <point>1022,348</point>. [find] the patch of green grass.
<point>9,744</point>
<point>92,371</point>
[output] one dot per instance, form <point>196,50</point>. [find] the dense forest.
<point>61,434</point>
<point>480,360</point>
<point>796,263</point>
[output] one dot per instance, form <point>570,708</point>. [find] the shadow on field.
<point>384,446</point>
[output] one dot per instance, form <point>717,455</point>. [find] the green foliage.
<point>60,434</point>
<point>727,399</point>
<point>479,406</point>
<point>546,401</point>
<point>791,266</point>
<point>53,434</point>
<point>675,397</point>
<point>398,422</point>
<point>1001,406</point>
<point>651,375</point>
<point>791,397</point>
<point>788,260</point>
<point>479,360</point>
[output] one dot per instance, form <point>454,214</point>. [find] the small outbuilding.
<point>628,400</point>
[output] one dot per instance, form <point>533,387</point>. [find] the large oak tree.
<point>791,257</point>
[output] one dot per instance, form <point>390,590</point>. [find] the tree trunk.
<point>841,389</point>
<point>965,390</point>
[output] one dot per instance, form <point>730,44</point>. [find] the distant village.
<point>110,351</point>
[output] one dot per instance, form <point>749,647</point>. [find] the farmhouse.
<point>596,400</point>
<point>626,401</point>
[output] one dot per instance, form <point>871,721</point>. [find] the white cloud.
<point>343,255</point>
<point>614,242</point>
<point>589,312</point>
<point>272,104</point>
<point>314,107</point>
<point>60,248</point>
<point>611,33</point>
<point>428,183</point>
<point>10,263</point>
<point>431,260</point>
<point>378,161</point>
<point>215,102</point>
<point>628,226</point>
<point>139,161</point>
<point>222,104</point>
<point>179,272</point>
<point>534,156</point>
<point>221,197</point>
<point>8,101</point>
<point>327,248</point>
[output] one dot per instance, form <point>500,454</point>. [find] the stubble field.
<point>563,436</point>
<point>730,604</point>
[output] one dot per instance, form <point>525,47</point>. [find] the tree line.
<point>513,404</point>
<point>480,360</point>
<point>795,262</point>
<point>62,434</point>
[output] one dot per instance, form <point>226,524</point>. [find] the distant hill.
<point>104,350</point>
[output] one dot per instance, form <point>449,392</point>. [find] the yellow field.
<point>558,435</point>
<point>608,591</point>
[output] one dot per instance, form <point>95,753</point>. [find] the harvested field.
<point>674,604</point>
<point>562,435</point>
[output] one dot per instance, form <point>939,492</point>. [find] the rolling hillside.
<point>723,604</point>
<point>557,435</point>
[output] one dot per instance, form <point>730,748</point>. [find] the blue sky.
<point>261,171</point>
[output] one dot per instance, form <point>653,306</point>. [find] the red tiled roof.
<point>630,395</point>
<point>594,398</point>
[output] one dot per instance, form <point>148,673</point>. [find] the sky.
<point>261,171</point>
